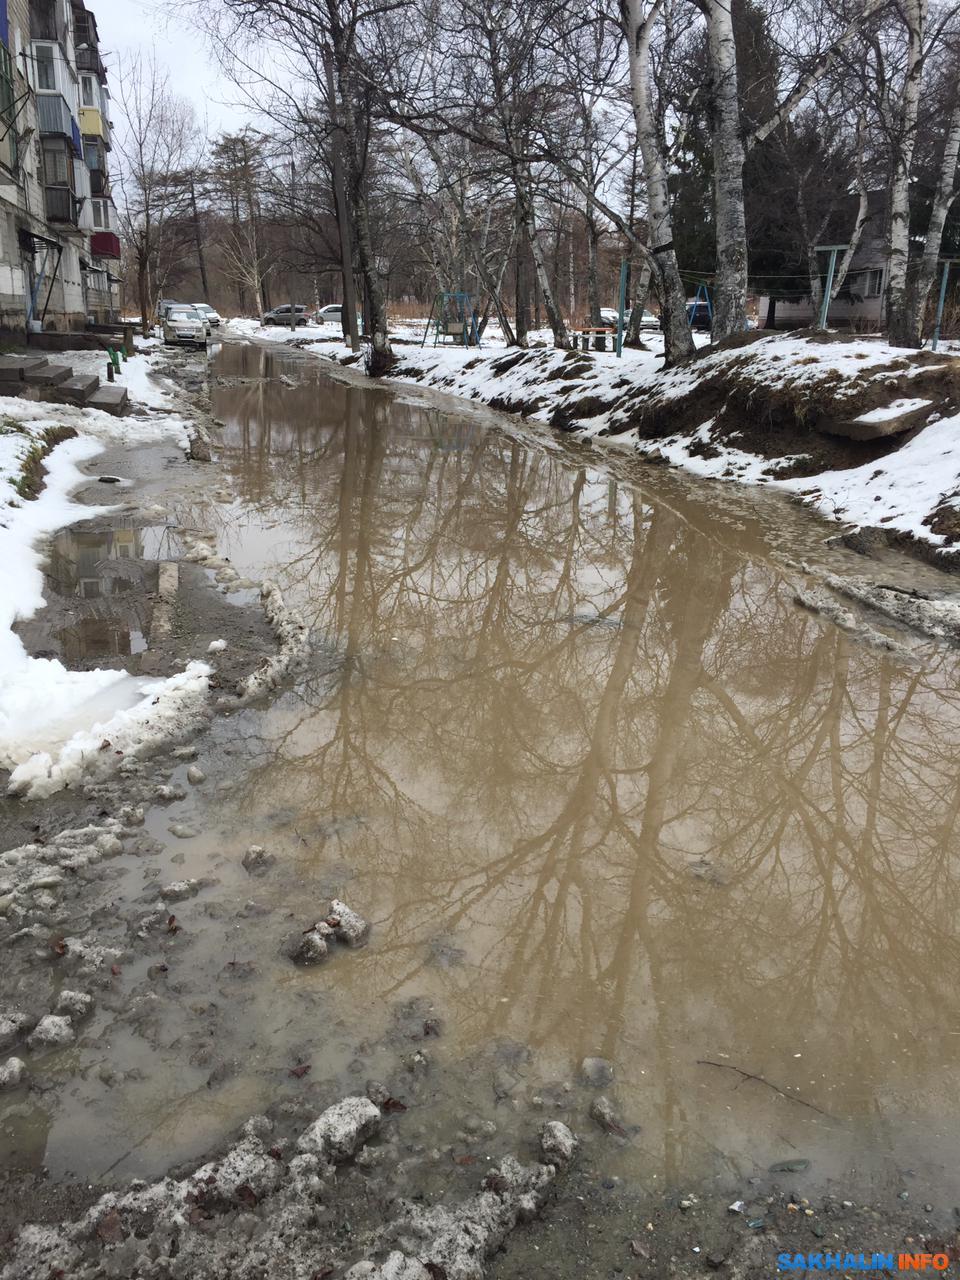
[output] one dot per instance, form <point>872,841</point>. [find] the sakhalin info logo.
<point>847,1262</point>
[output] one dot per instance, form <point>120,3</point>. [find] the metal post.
<point>621,304</point>
<point>940,304</point>
<point>825,304</point>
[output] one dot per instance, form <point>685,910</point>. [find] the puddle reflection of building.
<point>87,564</point>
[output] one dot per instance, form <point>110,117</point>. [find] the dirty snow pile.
<point>58,725</point>
<point>259,1211</point>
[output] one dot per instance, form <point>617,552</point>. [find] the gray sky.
<point>127,27</point>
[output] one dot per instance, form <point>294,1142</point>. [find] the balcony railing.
<point>61,205</point>
<point>89,60</point>
<point>105,244</point>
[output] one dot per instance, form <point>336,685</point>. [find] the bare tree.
<point>158,142</point>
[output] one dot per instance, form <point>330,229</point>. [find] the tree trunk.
<point>899,328</point>
<point>638,27</point>
<point>640,294</point>
<point>593,283</point>
<point>730,296</point>
<point>201,262</point>
<point>528,220</point>
<point>521,282</point>
<point>945,195</point>
<point>771,320</point>
<point>348,316</point>
<point>143,293</point>
<point>381,356</point>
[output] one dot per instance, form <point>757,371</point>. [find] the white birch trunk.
<point>638,23</point>
<point>946,194</point>
<point>730,295</point>
<point>898,319</point>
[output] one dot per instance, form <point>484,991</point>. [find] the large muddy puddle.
<point>602,788</point>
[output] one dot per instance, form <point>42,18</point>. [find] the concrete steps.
<point>48,375</point>
<point>111,398</point>
<point>34,376</point>
<point>79,388</point>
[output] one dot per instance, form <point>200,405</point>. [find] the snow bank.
<point>54,722</point>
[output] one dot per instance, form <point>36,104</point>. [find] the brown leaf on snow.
<point>110,1228</point>
<point>172,926</point>
<point>105,745</point>
<point>322,1273</point>
<point>59,946</point>
<point>116,970</point>
<point>464,1159</point>
<point>246,1195</point>
<point>394,1104</point>
<point>435,1269</point>
<point>299,1071</point>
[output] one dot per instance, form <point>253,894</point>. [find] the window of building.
<point>56,169</point>
<point>46,68</point>
<point>873,283</point>
<point>99,214</point>
<point>88,91</point>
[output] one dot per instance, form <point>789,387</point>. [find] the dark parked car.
<point>281,315</point>
<point>699,316</point>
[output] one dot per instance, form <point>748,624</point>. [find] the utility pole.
<point>343,211</point>
<point>199,240</point>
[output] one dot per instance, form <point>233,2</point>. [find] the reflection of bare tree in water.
<point>655,803</point>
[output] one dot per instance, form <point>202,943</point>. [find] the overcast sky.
<point>127,27</point>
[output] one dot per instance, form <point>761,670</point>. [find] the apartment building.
<point>59,247</point>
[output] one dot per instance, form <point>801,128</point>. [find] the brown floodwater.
<point>601,786</point>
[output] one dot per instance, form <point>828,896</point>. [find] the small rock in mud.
<point>557,1143</point>
<point>396,1267</point>
<point>311,947</point>
<point>13,1024</point>
<point>170,793</point>
<point>74,1005</point>
<point>603,1112</point>
<point>184,753</point>
<point>350,927</point>
<point>341,1130</point>
<point>596,1072</point>
<point>51,1031</point>
<point>195,775</point>
<point>11,1073</point>
<point>182,831</point>
<point>256,861</point>
<point>179,890</point>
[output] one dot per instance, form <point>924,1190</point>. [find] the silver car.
<point>185,326</point>
<point>211,315</point>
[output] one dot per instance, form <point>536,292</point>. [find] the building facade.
<point>59,248</point>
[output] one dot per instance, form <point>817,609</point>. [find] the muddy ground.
<point>108,923</point>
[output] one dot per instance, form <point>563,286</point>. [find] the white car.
<point>185,326</point>
<point>211,316</point>
<point>332,313</point>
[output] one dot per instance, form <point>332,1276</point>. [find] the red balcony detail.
<point>105,244</point>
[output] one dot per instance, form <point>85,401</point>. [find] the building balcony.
<point>99,182</point>
<point>105,244</point>
<point>55,118</point>
<point>61,205</point>
<point>89,60</point>
<point>94,125</point>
